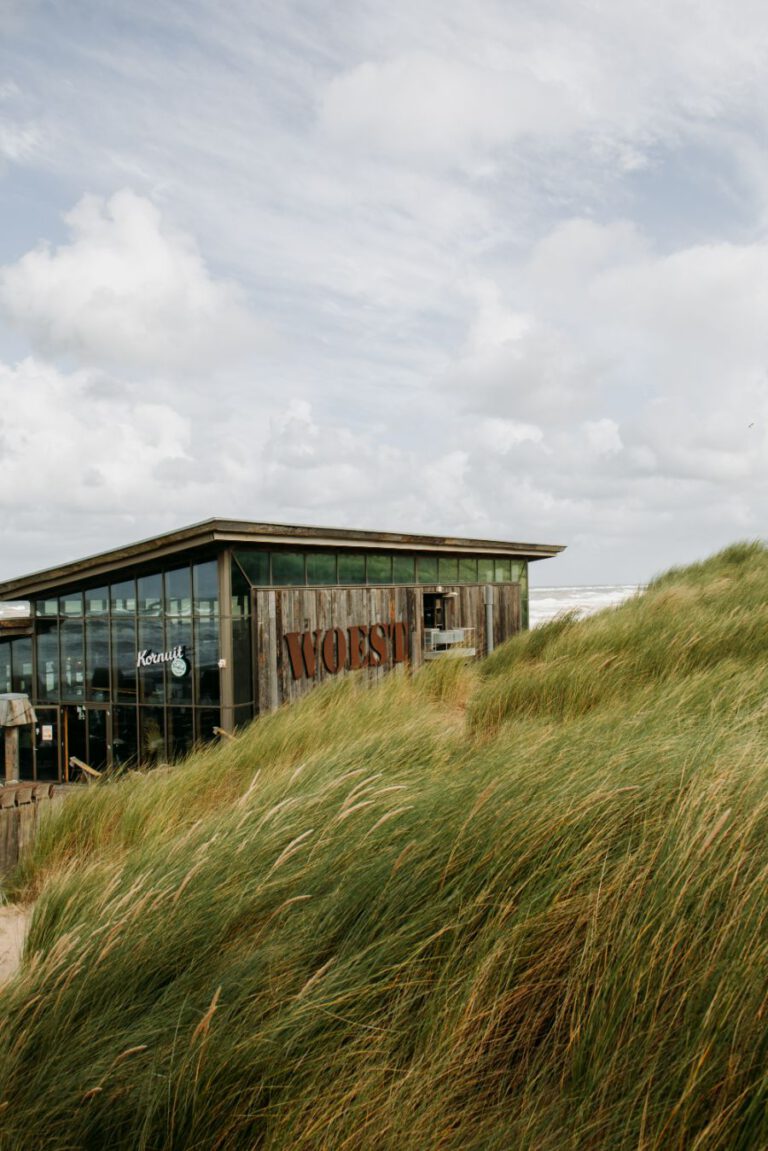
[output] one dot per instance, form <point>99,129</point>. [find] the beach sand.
<point>13,927</point>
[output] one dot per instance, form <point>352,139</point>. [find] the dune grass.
<point>518,905</point>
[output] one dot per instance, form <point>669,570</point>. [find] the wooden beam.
<point>11,754</point>
<point>88,771</point>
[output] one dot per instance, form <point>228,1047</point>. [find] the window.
<point>205,580</point>
<point>321,568</point>
<point>428,569</point>
<point>150,589</point>
<point>288,569</point>
<point>404,568</point>
<point>379,568</point>
<point>123,596</point>
<point>178,592</point>
<point>255,566</point>
<point>448,569</point>
<point>485,569</point>
<point>351,568</point>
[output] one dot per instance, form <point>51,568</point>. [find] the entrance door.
<point>73,738</point>
<point>47,744</point>
<point>433,610</point>
<point>86,734</point>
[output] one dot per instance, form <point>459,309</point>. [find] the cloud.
<point>603,437</point>
<point>540,376</point>
<point>20,135</point>
<point>422,104</point>
<point>127,289</point>
<point>614,84</point>
<point>18,141</point>
<point>632,392</point>
<point>63,444</point>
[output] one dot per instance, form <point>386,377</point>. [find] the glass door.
<point>46,737</point>
<point>99,737</point>
<point>73,739</point>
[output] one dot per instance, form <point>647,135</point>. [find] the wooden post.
<point>11,755</point>
<point>226,674</point>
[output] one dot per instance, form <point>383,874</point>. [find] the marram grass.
<point>516,907</point>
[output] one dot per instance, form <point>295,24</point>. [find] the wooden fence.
<point>21,808</point>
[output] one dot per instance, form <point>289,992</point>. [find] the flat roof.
<point>216,531</point>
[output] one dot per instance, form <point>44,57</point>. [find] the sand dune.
<point>13,926</point>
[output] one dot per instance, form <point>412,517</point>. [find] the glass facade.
<point>124,673</point>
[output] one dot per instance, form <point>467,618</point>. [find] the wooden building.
<point>134,655</point>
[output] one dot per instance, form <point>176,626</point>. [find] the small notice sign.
<point>47,733</point>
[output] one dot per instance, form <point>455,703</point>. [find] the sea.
<point>545,603</point>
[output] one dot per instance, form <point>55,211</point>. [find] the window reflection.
<point>351,568</point>
<point>47,641</point>
<point>379,568</point>
<point>178,592</point>
<point>207,660</point>
<point>288,569</point>
<point>5,667</point>
<point>150,594</point>
<point>205,580</point>
<point>97,601</point>
<point>97,659</point>
<point>72,660</point>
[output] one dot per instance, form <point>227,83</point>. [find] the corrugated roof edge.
<point>214,531</point>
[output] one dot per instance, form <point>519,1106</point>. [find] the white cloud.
<point>65,444</point>
<point>126,290</point>
<point>502,436</point>
<point>20,135</point>
<point>603,437</point>
<point>421,104</point>
<point>18,141</point>
<point>612,81</point>
<point>541,376</point>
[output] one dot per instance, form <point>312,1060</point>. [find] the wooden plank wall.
<point>278,611</point>
<point>506,611</point>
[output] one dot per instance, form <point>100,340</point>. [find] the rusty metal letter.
<point>302,652</point>
<point>334,650</point>
<point>378,638</point>
<point>358,657</point>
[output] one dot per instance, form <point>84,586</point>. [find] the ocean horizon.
<point>545,603</point>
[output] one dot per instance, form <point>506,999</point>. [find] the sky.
<point>496,270</point>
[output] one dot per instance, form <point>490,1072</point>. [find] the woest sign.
<point>346,648</point>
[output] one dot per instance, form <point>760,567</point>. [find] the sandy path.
<point>13,926</point>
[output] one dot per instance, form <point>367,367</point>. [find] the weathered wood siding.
<point>279,611</point>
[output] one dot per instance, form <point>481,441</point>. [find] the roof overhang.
<point>219,533</point>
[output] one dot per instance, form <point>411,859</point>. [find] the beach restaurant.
<point>132,656</point>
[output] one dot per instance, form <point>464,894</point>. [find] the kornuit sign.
<point>176,657</point>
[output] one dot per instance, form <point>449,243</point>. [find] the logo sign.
<point>176,657</point>
<point>351,648</point>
